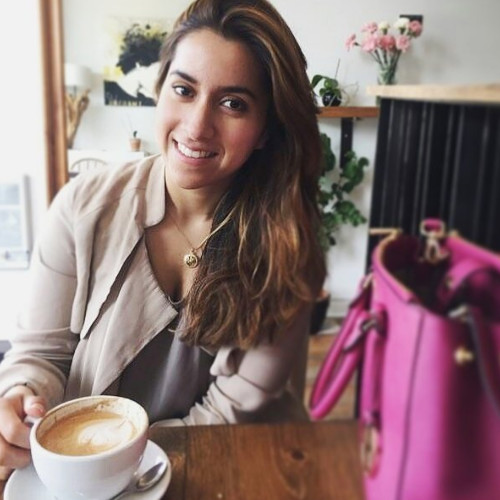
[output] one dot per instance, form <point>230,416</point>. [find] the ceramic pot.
<point>330,99</point>
<point>135,144</point>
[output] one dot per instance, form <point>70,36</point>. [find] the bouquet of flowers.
<point>385,47</point>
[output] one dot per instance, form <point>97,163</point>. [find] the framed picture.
<point>15,234</point>
<point>133,54</point>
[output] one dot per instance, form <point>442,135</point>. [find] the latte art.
<point>105,434</point>
<point>88,433</point>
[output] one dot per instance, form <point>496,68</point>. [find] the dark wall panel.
<point>438,160</point>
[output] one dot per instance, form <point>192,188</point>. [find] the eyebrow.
<point>236,89</point>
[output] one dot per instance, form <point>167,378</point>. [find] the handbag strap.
<point>484,348</point>
<point>344,354</point>
<point>456,277</point>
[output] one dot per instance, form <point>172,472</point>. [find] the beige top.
<point>84,320</point>
<point>167,377</point>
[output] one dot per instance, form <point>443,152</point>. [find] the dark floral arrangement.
<point>140,45</point>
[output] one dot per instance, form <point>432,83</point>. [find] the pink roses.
<point>377,36</point>
<point>385,47</point>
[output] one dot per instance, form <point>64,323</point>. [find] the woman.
<point>185,281</point>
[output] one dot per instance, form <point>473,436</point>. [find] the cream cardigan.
<point>75,338</point>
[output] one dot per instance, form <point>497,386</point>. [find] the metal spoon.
<point>145,481</point>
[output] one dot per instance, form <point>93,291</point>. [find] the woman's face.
<point>211,112</point>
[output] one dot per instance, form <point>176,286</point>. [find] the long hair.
<point>266,263</point>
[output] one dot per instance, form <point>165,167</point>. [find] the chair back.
<point>84,165</point>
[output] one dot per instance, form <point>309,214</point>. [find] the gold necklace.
<point>191,258</point>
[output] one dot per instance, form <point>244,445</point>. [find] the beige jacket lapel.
<point>107,228</point>
<point>116,313</point>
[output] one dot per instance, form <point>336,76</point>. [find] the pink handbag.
<point>425,330</point>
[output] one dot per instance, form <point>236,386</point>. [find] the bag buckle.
<point>370,450</point>
<point>373,320</point>
<point>434,231</point>
<point>462,355</point>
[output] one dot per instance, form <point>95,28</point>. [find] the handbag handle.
<point>456,277</point>
<point>344,354</point>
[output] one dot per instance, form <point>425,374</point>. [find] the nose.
<point>200,121</point>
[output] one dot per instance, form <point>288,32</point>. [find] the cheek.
<point>245,138</point>
<point>163,121</point>
<point>159,129</point>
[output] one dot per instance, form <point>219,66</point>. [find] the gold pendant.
<point>191,259</point>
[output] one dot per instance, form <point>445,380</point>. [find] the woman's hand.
<point>15,406</point>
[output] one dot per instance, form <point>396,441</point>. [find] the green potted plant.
<point>336,207</point>
<point>330,91</point>
<point>335,187</point>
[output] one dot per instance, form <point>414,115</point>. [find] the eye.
<point>182,90</point>
<point>234,104</point>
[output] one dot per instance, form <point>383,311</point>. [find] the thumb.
<point>35,406</point>
<point>5,472</point>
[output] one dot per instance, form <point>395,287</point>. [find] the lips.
<point>194,153</point>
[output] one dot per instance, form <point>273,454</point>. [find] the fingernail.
<point>38,408</point>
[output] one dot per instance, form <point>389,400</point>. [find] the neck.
<point>191,204</point>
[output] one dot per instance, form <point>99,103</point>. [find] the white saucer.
<point>24,483</point>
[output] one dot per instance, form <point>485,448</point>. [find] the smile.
<point>191,153</point>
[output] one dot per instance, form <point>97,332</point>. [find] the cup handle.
<point>31,421</point>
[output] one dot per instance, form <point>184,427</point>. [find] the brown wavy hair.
<point>260,270</point>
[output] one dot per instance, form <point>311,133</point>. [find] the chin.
<point>188,181</point>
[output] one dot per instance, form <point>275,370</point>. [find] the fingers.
<point>14,433</point>
<point>13,457</point>
<point>34,406</point>
<point>12,429</point>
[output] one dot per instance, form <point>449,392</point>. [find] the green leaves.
<point>330,85</point>
<point>334,188</point>
<point>352,172</point>
<point>329,158</point>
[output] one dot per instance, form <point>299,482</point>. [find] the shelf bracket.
<point>346,131</point>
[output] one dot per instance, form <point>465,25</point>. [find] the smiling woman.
<point>209,339</point>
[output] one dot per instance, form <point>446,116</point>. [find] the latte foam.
<point>88,433</point>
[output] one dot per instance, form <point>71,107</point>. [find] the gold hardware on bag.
<point>438,233</point>
<point>463,356</point>
<point>460,313</point>
<point>448,282</point>
<point>434,253</point>
<point>370,448</point>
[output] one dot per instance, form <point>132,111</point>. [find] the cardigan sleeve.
<point>253,385</point>
<point>43,345</point>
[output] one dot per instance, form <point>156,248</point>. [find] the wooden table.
<point>307,461</point>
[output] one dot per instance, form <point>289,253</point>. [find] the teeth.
<point>190,153</point>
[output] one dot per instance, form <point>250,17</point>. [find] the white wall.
<point>21,123</point>
<point>458,46</point>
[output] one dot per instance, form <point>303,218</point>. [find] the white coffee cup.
<point>91,446</point>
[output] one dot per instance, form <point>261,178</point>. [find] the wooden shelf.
<point>349,112</point>
<point>488,93</point>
